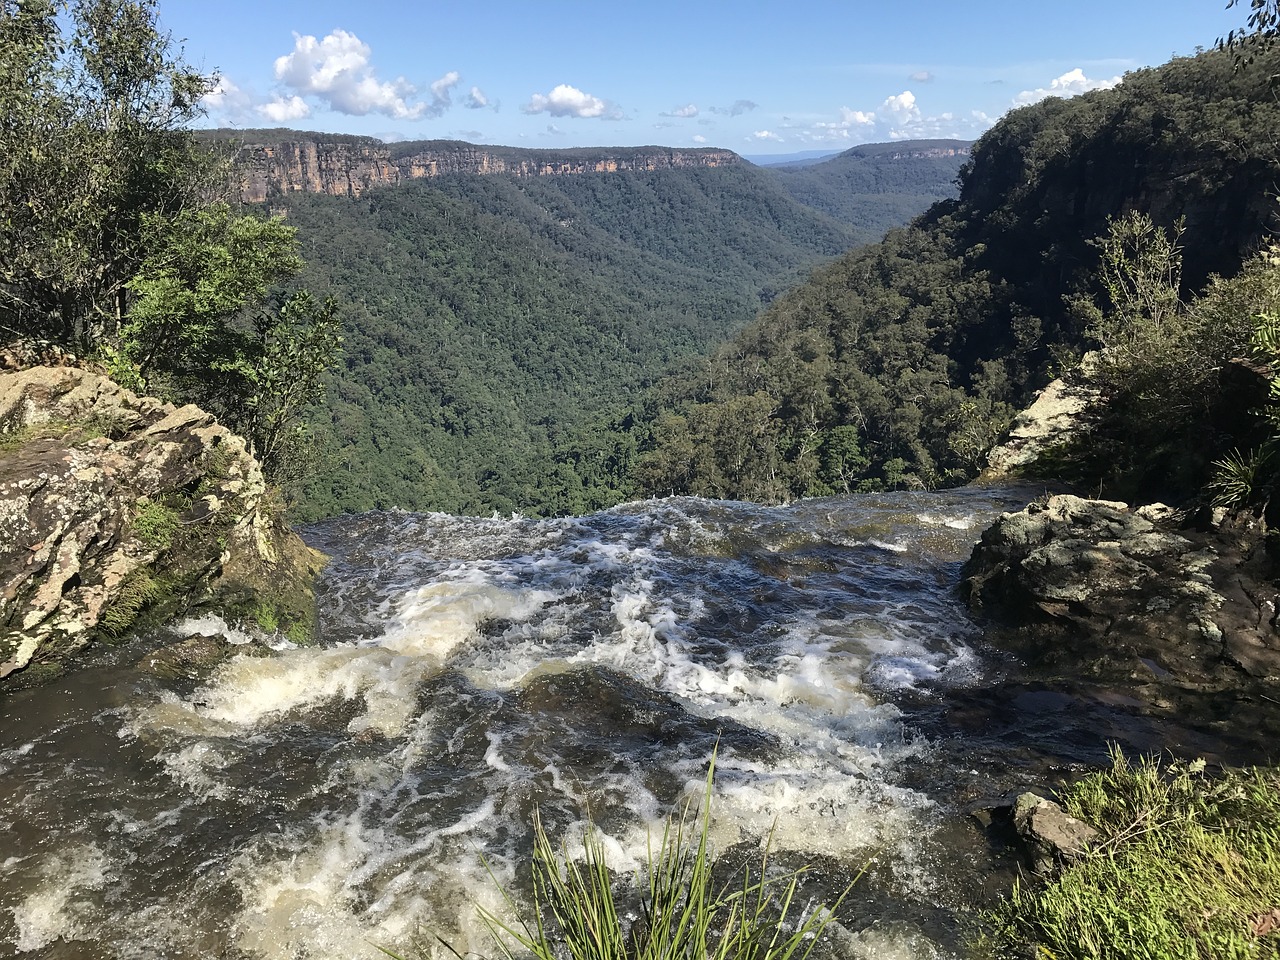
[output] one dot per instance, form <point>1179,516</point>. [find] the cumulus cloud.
<point>282,110</point>
<point>766,135</point>
<point>476,100</point>
<point>921,76</point>
<point>227,99</point>
<point>442,89</point>
<point>688,110</point>
<point>567,101</point>
<point>338,72</point>
<point>699,138</point>
<point>899,117</point>
<point>850,122</point>
<point>1070,84</point>
<point>737,108</point>
<point>901,107</point>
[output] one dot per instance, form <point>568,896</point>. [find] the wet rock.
<point>196,657</point>
<point>1050,836</point>
<point>1091,588</point>
<point>114,506</point>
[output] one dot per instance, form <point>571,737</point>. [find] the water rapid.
<point>316,801</point>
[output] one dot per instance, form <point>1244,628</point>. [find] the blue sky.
<point>756,78</point>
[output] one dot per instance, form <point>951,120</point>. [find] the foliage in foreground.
<point>118,240</point>
<point>1188,868</point>
<point>580,909</point>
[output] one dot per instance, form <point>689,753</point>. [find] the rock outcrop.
<point>114,507</point>
<point>1058,417</point>
<point>1092,588</point>
<point>348,166</point>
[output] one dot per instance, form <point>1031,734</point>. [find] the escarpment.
<point>349,166</point>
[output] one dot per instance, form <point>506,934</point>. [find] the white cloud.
<point>901,107</point>
<point>898,117</point>
<point>281,110</point>
<point>567,101</point>
<point>688,110</point>
<point>337,71</point>
<point>699,138</point>
<point>921,76</point>
<point>1070,84</point>
<point>767,135</point>
<point>476,100</point>
<point>441,90</point>
<point>226,98</point>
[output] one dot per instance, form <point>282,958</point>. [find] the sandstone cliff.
<point>114,507</point>
<point>348,166</point>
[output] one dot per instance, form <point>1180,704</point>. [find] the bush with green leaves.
<point>120,240</point>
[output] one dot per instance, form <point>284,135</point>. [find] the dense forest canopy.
<point>900,364</point>
<point>503,328</point>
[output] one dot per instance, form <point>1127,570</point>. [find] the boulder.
<point>1094,588</point>
<point>115,507</point>
<point>1050,837</point>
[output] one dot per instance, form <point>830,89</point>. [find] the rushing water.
<point>319,800</point>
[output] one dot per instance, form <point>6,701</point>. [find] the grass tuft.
<point>1188,868</point>
<point>578,910</point>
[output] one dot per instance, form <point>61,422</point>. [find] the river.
<point>320,800</point>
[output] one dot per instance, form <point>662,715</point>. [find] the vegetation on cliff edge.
<point>119,240</point>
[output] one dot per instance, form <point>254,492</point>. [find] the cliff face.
<point>347,168</point>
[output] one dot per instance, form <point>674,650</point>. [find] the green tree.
<point>91,144</point>
<point>118,238</point>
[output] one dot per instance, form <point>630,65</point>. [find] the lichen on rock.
<point>1092,587</point>
<point>115,507</point>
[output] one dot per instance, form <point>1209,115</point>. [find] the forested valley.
<point>501,331</point>
<point>900,364</point>
<point>557,344</point>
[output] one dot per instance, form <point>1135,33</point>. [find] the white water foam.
<point>61,905</point>
<point>792,648</point>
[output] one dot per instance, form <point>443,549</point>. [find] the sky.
<point>753,77</point>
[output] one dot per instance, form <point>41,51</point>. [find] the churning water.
<point>320,800</point>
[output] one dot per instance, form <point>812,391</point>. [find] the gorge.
<point>633,458</point>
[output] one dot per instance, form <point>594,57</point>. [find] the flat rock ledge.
<point>115,508</point>
<point>1091,588</point>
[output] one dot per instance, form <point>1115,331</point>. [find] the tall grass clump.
<point>1187,868</point>
<point>581,910</point>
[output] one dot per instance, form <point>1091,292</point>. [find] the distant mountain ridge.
<point>286,161</point>
<point>911,149</point>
